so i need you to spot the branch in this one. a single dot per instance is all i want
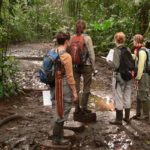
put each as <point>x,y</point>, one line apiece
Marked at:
<point>10,118</point>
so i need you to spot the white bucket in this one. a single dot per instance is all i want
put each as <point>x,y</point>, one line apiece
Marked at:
<point>47,98</point>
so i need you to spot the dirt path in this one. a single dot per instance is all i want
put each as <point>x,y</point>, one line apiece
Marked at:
<point>27,122</point>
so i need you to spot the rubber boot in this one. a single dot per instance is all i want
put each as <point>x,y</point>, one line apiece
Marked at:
<point>127,115</point>
<point>145,109</point>
<point>57,138</point>
<point>119,118</point>
<point>77,108</point>
<point>84,102</point>
<point>138,110</point>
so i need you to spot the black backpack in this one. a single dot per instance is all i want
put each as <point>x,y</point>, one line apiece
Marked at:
<point>127,64</point>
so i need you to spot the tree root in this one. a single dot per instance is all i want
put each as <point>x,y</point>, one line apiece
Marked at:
<point>10,118</point>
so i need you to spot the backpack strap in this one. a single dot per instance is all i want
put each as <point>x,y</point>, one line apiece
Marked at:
<point>62,52</point>
<point>60,64</point>
<point>55,50</point>
<point>52,54</point>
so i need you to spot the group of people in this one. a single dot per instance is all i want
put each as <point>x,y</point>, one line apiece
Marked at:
<point>122,92</point>
<point>141,79</point>
<point>72,78</point>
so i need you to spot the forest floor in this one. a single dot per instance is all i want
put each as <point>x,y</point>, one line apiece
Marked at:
<point>25,122</point>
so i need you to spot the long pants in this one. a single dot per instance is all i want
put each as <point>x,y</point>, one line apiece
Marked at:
<point>122,94</point>
<point>67,101</point>
<point>143,96</point>
<point>86,73</point>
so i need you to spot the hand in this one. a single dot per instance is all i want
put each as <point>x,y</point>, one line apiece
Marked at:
<point>133,74</point>
<point>75,97</point>
<point>136,82</point>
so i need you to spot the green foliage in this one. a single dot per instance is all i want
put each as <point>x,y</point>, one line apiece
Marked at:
<point>105,18</point>
<point>31,20</point>
<point>9,67</point>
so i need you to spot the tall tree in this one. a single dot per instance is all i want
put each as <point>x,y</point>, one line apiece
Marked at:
<point>1,2</point>
<point>144,16</point>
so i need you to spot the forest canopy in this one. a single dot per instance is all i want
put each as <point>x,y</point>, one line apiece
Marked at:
<point>33,20</point>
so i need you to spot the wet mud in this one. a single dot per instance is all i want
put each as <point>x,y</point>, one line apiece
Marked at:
<point>25,123</point>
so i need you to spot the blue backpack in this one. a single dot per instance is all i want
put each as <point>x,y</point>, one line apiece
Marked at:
<point>47,71</point>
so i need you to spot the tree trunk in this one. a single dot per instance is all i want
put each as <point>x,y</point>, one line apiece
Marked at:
<point>144,16</point>
<point>1,2</point>
<point>107,4</point>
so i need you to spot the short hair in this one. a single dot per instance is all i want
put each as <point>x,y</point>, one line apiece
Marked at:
<point>62,37</point>
<point>120,37</point>
<point>138,38</point>
<point>80,27</point>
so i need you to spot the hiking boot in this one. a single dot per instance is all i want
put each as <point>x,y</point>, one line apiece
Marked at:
<point>119,117</point>
<point>145,109</point>
<point>77,108</point>
<point>136,117</point>
<point>86,111</point>
<point>57,137</point>
<point>77,111</point>
<point>142,117</point>
<point>138,110</point>
<point>126,120</point>
<point>116,122</point>
<point>127,114</point>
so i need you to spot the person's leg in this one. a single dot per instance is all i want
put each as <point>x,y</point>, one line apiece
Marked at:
<point>77,76</point>
<point>119,118</point>
<point>58,134</point>
<point>118,102</point>
<point>138,108</point>
<point>127,100</point>
<point>143,96</point>
<point>87,80</point>
<point>58,126</point>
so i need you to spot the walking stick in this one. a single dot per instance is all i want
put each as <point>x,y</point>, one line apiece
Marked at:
<point>59,93</point>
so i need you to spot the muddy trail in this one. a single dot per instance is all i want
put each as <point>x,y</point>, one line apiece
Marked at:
<point>25,122</point>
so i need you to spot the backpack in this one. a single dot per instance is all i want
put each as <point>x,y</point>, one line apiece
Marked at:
<point>147,68</point>
<point>78,50</point>
<point>127,64</point>
<point>47,71</point>
<point>148,61</point>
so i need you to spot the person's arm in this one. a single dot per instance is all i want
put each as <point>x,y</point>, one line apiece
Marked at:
<point>67,61</point>
<point>74,93</point>
<point>141,64</point>
<point>91,53</point>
